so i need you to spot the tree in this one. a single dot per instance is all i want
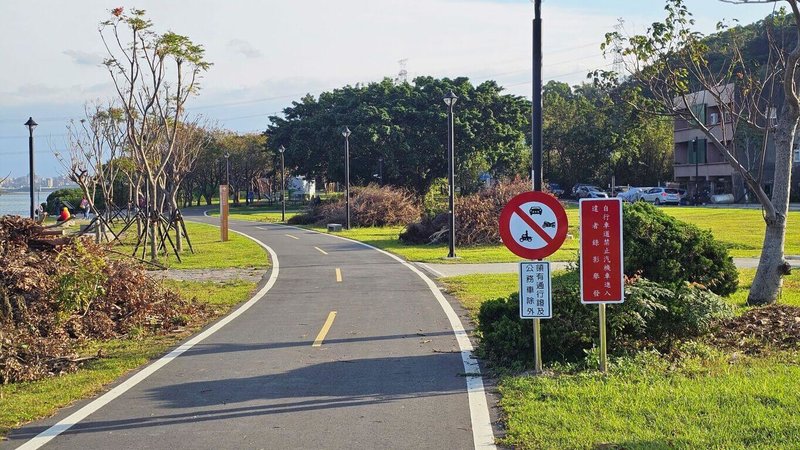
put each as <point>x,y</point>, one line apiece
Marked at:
<point>154,75</point>
<point>669,66</point>
<point>95,143</point>
<point>405,125</point>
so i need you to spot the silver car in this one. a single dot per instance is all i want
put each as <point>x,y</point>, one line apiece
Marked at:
<point>662,196</point>
<point>633,194</point>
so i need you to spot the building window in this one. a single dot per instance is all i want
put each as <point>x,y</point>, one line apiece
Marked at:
<point>713,118</point>
<point>796,155</point>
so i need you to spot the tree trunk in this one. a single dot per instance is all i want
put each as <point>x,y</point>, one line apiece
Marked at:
<point>772,266</point>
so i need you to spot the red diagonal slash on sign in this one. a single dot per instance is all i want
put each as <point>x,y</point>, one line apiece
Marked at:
<point>521,212</point>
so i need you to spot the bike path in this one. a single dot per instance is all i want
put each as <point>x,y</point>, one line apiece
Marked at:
<point>388,374</point>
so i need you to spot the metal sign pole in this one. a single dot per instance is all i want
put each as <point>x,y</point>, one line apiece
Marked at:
<point>603,348</point>
<point>537,346</point>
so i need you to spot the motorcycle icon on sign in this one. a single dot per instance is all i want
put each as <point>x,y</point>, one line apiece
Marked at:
<point>546,224</point>
<point>525,237</point>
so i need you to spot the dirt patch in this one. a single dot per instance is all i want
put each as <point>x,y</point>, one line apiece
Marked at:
<point>216,275</point>
<point>770,327</point>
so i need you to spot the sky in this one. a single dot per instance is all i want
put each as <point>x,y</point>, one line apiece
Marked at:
<point>267,53</point>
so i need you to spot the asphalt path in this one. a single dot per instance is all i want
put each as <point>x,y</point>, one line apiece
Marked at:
<point>350,348</point>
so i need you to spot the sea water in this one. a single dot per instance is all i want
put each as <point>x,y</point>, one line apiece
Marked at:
<point>19,203</point>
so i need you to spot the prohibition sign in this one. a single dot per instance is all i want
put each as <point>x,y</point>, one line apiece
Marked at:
<point>533,225</point>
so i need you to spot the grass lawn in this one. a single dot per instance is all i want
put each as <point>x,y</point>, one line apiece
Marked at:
<point>741,230</point>
<point>710,400</point>
<point>210,251</point>
<point>24,402</point>
<point>751,403</point>
<point>270,214</point>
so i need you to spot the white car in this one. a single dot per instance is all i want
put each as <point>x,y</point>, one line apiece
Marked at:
<point>661,196</point>
<point>587,191</point>
<point>633,194</point>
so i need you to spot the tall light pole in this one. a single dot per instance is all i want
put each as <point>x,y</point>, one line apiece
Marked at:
<point>346,134</point>
<point>450,100</point>
<point>31,125</point>
<point>696,171</point>
<point>380,170</point>
<point>536,99</point>
<point>282,149</point>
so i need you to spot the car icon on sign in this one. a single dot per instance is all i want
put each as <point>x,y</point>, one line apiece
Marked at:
<point>535,210</point>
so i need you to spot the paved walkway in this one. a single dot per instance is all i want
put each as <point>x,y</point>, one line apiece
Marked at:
<point>452,270</point>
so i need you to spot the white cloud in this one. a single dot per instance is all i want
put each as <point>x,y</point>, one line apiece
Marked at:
<point>245,48</point>
<point>85,58</point>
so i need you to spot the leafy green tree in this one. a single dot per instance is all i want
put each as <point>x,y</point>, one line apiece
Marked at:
<point>405,126</point>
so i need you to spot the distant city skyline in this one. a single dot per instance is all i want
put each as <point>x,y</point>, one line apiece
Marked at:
<point>268,54</point>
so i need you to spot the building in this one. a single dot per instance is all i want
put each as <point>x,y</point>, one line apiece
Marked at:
<point>697,165</point>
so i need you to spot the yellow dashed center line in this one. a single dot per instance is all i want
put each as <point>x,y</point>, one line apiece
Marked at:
<point>293,237</point>
<point>338,275</point>
<point>325,328</point>
<point>321,250</point>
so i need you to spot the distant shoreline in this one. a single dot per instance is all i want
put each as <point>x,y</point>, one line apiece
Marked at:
<point>25,189</point>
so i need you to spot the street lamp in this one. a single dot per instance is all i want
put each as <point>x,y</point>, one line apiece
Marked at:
<point>450,100</point>
<point>282,149</point>
<point>31,125</point>
<point>346,134</point>
<point>380,170</point>
<point>696,172</point>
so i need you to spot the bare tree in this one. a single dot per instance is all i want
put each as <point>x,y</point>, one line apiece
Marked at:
<point>154,76</point>
<point>668,70</point>
<point>95,143</point>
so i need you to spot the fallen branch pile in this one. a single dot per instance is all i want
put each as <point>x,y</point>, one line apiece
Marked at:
<point>57,292</point>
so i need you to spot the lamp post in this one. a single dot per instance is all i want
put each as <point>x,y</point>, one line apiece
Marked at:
<point>536,100</point>
<point>31,125</point>
<point>282,149</point>
<point>450,100</point>
<point>696,171</point>
<point>346,134</point>
<point>380,170</point>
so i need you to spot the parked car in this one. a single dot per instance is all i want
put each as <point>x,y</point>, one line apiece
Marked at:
<point>577,187</point>
<point>587,191</point>
<point>555,189</point>
<point>633,194</point>
<point>662,196</point>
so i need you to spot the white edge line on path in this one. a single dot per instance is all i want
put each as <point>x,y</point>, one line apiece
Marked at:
<point>482,434</point>
<point>74,418</point>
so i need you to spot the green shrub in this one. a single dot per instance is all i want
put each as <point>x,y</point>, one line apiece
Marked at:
<point>666,250</point>
<point>653,315</point>
<point>57,198</point>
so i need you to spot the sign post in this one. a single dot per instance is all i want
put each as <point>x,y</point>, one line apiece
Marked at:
<point>223,212</point>
<point>533,225</point>
<point>601,265</point>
